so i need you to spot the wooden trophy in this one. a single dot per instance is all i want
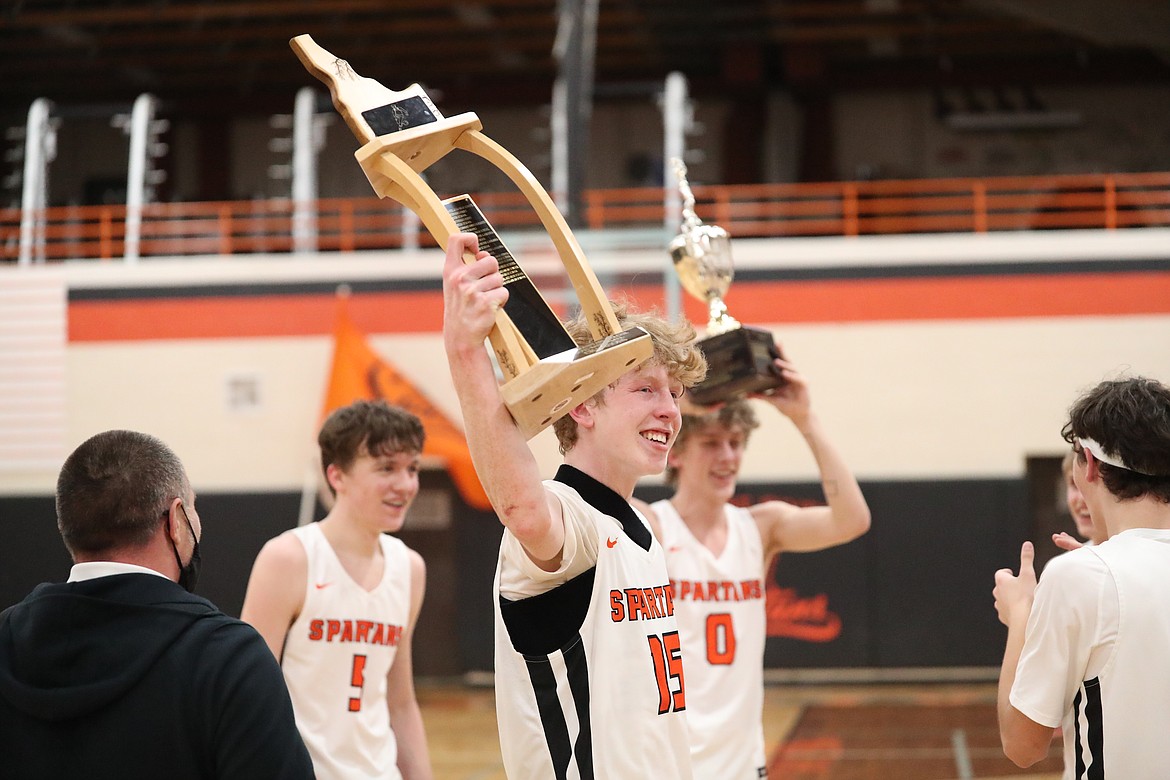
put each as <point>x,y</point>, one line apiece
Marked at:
<point>545,373</point>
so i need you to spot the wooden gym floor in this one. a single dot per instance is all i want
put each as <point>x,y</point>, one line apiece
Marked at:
<point>813,732</point>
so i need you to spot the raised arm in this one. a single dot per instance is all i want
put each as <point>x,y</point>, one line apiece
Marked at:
<point>414,760</point>
<point>276,590</point>
<point>471,295</point>
<point>804,529</point>
<point>1024,740</point>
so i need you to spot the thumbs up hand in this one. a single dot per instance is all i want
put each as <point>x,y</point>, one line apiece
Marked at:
<point>1013,592</point>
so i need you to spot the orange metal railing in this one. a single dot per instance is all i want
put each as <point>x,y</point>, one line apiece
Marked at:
<point>1103,201</point>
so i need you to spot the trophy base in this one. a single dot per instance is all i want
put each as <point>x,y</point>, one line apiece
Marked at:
<point>550,389</point>
<point>739,362</point>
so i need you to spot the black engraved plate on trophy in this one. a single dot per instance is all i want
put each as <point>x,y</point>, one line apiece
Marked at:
<point>400,115</point>
<point>608,342</point>
<point>739,362</point>
<point>536,322</point>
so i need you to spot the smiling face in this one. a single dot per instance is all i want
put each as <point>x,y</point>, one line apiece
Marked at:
<point>709,458</point>
<point>377,489</point>
<point>631,427</point>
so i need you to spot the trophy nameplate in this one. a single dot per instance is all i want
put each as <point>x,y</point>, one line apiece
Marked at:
<point>545,373</point>
<point>739,357</point>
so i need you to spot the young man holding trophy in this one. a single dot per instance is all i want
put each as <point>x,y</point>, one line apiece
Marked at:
<point>707,539</point>
<point>589,678</point>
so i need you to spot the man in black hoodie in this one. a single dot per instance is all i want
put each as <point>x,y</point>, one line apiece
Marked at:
<point>121,672</point>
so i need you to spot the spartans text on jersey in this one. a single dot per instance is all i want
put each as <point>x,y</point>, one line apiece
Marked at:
<point>718,590</point>
<point>368,631</point>
<point>641,603</point>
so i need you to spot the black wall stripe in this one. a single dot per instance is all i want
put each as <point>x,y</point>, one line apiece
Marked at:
<point>742,276</point>
<point>950,270</point>
<point>578,670</point>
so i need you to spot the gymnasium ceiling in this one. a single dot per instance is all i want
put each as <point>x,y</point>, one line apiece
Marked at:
<point>211,55</point>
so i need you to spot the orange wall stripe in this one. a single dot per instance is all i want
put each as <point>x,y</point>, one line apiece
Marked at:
<point>250,316</point>
<point>807,301</point>
<point>936,298</point>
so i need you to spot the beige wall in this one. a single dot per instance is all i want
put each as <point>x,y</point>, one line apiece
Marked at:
<point>915,399</point>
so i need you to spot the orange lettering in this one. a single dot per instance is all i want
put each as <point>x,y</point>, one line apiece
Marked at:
<point>650,599</point>
<point>363,630</point>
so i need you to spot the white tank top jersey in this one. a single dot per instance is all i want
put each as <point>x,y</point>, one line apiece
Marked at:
<point>719,605</point>
<point>336,658</point>
<point>1122,716</point>
<point>589,677</point>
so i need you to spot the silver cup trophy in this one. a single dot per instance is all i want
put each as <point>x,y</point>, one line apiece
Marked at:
<point>739,358</point>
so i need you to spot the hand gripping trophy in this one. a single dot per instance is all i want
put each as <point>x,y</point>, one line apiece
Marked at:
<point>545,373</point>
<point>739,358</point>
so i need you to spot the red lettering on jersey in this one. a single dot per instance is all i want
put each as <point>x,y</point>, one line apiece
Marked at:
<point>650,599</point>
<point>753,589</point>
<point>363,631</point>
<point>669,600</point>
<point>379,637</point>
<point>684,589</point>
<point>347,631</point>
<point>334,628</point>
<point>635,604</point>
<point>315,627</point>
<point>617,606</point>
<point>699,594</point>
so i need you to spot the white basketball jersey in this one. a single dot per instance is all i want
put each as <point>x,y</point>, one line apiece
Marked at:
<point>336,658</point>
<point>589,677</point>
<point>719,605</point>
<point>1122,717</point>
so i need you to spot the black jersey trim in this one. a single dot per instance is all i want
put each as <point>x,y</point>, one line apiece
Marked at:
<point>577,667</point>
<point>606,501</point>
<point>1094,731</point>
<point>552,716</point>
<point>542,624</point>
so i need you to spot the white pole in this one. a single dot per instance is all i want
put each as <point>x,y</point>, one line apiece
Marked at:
<point>304,172</point>
<point>675,123</point>
<point>559,131</point>
<point>40,148</point>
<point>140,118</point>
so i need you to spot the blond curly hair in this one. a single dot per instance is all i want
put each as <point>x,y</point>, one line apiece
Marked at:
<point>674,348</point>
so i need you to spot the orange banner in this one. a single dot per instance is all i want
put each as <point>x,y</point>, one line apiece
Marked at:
<point>358,373</point>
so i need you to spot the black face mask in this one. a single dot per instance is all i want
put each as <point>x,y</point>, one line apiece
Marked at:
<point>189,574</point>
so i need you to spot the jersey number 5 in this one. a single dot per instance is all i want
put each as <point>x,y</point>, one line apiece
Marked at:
<point>358,680</point>
<point>668,669</point>
<point>720,639</point>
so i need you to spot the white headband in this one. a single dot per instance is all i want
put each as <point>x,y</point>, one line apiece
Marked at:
<point>1099,453</point>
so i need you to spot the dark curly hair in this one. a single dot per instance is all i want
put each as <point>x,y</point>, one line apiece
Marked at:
<point>1129,418</point>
